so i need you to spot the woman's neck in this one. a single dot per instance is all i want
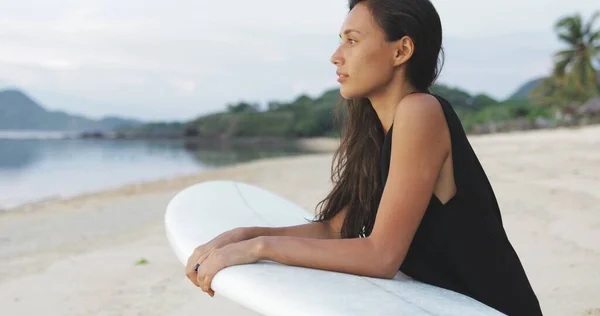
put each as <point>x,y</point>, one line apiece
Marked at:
<point>386,100</point>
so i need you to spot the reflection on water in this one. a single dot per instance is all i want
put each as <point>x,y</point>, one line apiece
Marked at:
<point>223,154</point>
<point>35,169</point>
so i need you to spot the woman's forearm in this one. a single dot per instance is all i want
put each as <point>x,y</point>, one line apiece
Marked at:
<point>318,230</point>
<point>357,256</point>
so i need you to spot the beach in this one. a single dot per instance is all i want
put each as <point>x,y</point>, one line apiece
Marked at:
<point>106,253</point>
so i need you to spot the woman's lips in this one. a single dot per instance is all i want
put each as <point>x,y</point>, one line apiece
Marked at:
<point>341,77</point>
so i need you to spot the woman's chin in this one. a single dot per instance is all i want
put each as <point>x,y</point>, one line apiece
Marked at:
<point>348,93</point>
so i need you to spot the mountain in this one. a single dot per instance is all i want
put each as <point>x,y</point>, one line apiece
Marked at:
<point>524,90</point>
<point>19,112</point>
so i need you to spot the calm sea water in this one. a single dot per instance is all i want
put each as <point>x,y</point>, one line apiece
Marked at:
<point>39,168</point>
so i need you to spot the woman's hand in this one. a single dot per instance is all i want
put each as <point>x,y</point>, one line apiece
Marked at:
<point>244,252</point>
<point>229,237</point>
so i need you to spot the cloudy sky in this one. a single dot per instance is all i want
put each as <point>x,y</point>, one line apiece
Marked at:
<point>171,60</point>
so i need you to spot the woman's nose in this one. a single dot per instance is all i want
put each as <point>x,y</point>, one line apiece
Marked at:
<point>336,58</point>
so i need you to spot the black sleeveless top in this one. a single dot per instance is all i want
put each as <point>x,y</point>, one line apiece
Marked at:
<point>461,245</point>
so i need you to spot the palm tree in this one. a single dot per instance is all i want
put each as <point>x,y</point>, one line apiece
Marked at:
<point>575,78</point>
<point>575,65</point>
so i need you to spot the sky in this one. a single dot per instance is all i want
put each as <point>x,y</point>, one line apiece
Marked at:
<point>175,60</point>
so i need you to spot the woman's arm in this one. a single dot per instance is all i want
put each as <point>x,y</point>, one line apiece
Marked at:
<point>329,229</point>
<point>354,256</point>
<point>421,143</point>
<point>315,230</point>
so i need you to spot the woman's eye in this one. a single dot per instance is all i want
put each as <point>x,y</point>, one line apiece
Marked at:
<point>351,41</point>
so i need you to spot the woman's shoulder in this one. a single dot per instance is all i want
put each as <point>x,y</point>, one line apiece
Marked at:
<point>419,103</point>
<point>425,101</point>
<point>419,97</point>
<point>419,126</point>
<point>418,111</point>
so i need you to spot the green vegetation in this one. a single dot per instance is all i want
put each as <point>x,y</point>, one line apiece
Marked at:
<point>303,117</point>
<point>308,117</point>
<point>153,130</point>
<point>141,262</point>
<point>311,117</point>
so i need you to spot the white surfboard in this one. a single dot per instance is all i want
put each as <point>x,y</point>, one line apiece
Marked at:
<point>199,213</point>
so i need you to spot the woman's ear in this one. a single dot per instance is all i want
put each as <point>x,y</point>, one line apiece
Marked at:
<point>404,49</point>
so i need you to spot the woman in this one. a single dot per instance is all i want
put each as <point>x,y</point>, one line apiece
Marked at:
<point>409,192</point>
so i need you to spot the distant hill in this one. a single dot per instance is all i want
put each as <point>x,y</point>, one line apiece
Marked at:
<point>19,112</point>
<point>524,90</point>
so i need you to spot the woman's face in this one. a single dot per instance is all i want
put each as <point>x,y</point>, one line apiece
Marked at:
<point>364,60</point>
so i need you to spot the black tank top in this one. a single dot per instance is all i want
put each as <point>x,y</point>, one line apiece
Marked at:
<point>462,245</point>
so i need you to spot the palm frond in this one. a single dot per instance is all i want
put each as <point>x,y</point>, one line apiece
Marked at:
<point>592,52</point>
<point>560,68</point>
<point>590,23</point>
<point>577,27</point>
<point>565,22</point>
<point>595,36</point>
<point>567,53</point>
<point>572,25</point>
<point>568,38</point>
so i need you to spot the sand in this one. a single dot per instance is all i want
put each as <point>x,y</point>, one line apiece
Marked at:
<point>78,256</point>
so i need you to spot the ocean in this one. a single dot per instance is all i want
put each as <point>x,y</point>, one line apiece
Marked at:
<point>37,166</point>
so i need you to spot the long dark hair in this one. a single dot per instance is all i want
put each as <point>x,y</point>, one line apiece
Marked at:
<point>355,169</point>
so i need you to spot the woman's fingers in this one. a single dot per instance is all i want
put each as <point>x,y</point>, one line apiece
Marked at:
<point>191,269</point>
<point>199,277</point>
<point>192,274</point>
<point>207,285</point>
<point>207,270</point>
<point>193,259</point>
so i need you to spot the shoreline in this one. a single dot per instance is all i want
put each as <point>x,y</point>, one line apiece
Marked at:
<point>258,140</point>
